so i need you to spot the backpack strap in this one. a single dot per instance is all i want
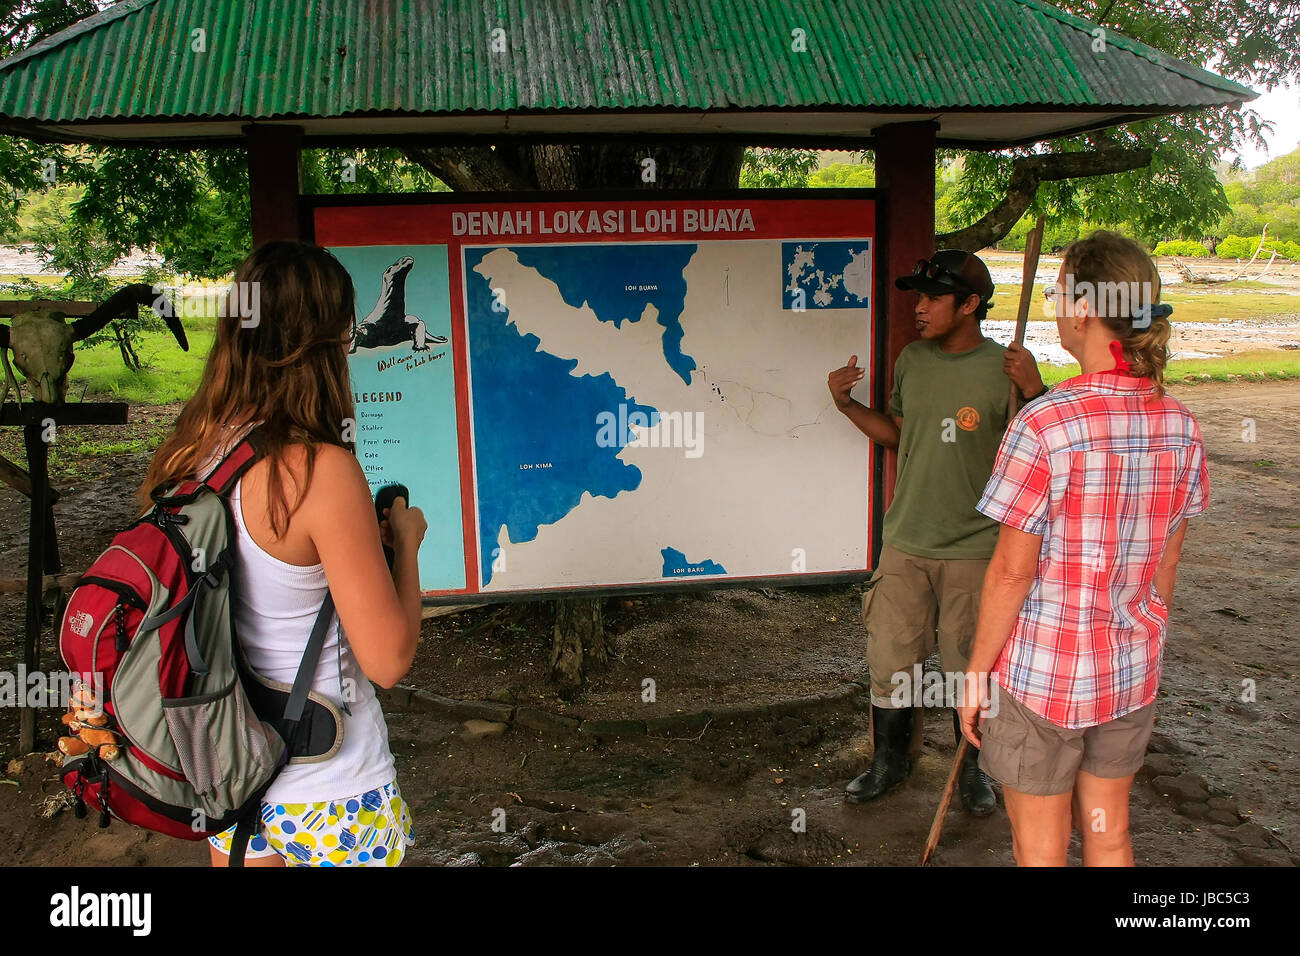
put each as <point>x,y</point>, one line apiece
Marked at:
<point>293,711</point>
<point>247,825</point>
<point>243,833</point>
<point>222,478</point>
<point>239,459</point>
<point>297,703</point>
<point>209,580</point>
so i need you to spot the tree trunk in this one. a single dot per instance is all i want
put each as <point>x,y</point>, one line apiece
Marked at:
<point>579,642</point>
<point>618,165</point>
<point>1026,173</point>
<point>129,358</point>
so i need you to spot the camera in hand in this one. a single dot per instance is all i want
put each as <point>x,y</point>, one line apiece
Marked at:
<point>384,498</point>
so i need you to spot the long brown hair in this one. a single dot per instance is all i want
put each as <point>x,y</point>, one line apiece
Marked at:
<point>281,362</point>
<point>1108,257</point>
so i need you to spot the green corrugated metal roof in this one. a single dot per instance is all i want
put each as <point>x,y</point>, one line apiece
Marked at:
<point>276,59</point>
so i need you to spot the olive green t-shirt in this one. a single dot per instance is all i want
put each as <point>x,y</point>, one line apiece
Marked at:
<point>954,411</point>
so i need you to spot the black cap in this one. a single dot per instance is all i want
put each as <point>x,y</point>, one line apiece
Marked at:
<point>950,270</point>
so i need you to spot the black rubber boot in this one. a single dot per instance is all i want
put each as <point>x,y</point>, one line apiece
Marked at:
<point>892,761</point>
<point>976,795</point>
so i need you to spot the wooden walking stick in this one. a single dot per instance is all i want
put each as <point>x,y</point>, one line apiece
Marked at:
<point>1033,247</point>
<point>936,828</point>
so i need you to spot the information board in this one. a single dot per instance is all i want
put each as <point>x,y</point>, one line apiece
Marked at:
<point>596,394</point>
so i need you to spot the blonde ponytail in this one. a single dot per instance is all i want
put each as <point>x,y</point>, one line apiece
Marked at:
<point>1123,285</point>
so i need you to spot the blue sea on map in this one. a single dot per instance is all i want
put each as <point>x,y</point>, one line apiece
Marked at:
<point>535,424</point>
<point>412,441</point>
<point>676,565</point>
<point>599,275</point>
<point>833,274</point>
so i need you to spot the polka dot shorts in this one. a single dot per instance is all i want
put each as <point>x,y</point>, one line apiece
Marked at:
<point>370,829</point>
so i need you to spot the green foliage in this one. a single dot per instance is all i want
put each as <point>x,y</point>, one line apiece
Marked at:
<point>1262,366</point>
<point>21,168</point>
<point>83,255</point>
<point>777,168</point>
<point>190,206</point>
<point>212,238</point>
<point>24,22</point>
<point>1267,196</point>
<point>22,163</point>
<point>1057,234</point>
<point>862,175</point>
<point>166,374</point>
<point>947,174</point>
<point>1243,247</point>
<point>38,206</point>
<point>1178,195</point>
<point>1181,247</point>
<point>384,170</point>
<point>844,176</point>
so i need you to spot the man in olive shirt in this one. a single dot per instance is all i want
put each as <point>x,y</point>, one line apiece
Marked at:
<point>946,417</point>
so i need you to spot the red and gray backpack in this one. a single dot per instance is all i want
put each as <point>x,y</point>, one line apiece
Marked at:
<point>149,637</point>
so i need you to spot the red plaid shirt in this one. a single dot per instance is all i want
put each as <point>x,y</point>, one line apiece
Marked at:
<point>1105,472</point>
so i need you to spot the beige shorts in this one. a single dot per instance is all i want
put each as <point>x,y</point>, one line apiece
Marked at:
<point>913,604</point>
<point>1030,754</point>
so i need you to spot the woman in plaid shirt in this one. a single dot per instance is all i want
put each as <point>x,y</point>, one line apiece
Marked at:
<point>1092,486</point>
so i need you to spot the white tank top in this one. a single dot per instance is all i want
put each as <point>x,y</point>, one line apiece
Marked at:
<point>275,607</point>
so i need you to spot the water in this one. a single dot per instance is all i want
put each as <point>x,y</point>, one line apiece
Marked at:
<point>23,261</point>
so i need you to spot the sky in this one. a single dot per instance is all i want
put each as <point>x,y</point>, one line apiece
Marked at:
<point>1282,108</point>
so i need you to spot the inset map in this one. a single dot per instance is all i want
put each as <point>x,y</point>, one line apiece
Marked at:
<point>826,274</point>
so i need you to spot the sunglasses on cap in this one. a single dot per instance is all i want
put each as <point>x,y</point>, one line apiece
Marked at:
<point>929,269</point>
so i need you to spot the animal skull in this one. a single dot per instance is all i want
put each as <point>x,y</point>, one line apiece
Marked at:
<point>42,342</point>
<point>42,347</point>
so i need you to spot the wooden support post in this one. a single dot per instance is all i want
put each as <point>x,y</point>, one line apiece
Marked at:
<point>37,459</point>
<point>43,563</point>
<point>905,158</point>
<point>274,181</point>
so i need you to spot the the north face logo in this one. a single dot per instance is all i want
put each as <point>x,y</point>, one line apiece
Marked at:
<point>80,623</point>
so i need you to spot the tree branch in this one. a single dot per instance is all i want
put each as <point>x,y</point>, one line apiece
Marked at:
<point>1026,173</point>
<point>469,168</point>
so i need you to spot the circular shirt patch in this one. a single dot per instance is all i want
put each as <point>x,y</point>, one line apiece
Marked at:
<point>968,419</point>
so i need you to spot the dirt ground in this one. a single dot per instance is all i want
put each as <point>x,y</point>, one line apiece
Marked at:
<point>729,796</point>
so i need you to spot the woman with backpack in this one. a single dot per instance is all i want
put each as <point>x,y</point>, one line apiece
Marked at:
<point>306,529</point>
<point>1093,486</point>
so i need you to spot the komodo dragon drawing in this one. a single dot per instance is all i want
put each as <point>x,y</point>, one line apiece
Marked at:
<point>388,322</point>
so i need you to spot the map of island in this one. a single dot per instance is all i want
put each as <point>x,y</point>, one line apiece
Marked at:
<point>727,439</point>
<point>830,274</point>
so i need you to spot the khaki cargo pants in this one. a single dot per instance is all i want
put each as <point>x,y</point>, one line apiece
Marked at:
<point>912,598</point>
